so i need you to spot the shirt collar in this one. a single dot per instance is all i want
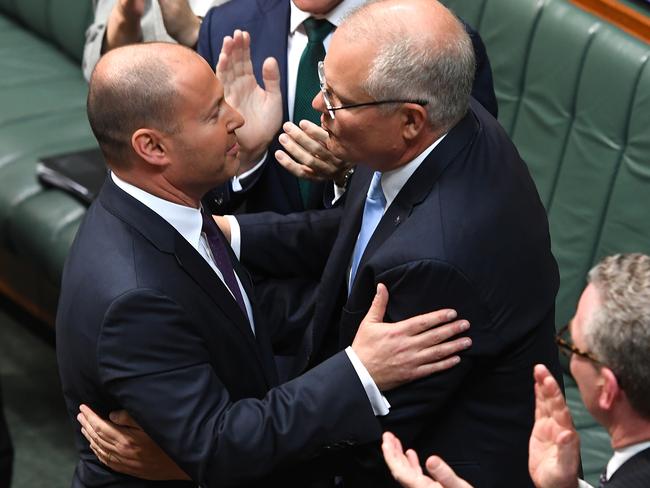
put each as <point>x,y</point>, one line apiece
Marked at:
<point>335,16</point>
<point>393,181</point>
<point>187,221</point>
<point>621,456</point>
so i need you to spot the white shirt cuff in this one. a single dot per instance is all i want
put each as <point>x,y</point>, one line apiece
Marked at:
<point>380,405</point>
<point>584,484</point>
<point>235,235</point>
<point>236,180</point>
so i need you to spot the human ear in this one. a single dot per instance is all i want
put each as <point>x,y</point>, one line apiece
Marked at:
<point>609,388</point>
<point>151,146</point>
<point>414,120</point>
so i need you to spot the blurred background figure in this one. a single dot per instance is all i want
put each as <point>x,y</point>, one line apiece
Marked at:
<point>121,22</point>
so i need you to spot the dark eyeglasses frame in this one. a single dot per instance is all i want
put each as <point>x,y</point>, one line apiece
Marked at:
<point>331,109</point>
<point>572,349</point>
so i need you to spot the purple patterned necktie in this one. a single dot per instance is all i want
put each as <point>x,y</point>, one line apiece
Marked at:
<point>222,258</point>
<point>602,480</point>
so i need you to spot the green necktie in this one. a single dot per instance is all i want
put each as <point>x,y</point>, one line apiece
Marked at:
<point>307,84</point>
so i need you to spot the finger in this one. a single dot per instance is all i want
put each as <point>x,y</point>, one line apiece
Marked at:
<point>96,426</point>
<point>122,417</point>
<point>420,323</point>
<point>301,137</point>
<point>306,158</point>
<point>377,308</point>
<point>438,352</point>
<point>295,168</point>
<point>441,472</point>
<point>414,462</point>
<point>439,334</point>
<point>271,76</point>
<point>432,367</point>
<point>314,131</point>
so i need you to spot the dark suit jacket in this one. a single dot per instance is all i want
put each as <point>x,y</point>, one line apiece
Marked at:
<point>466,231</point>
<point>634,473</point>
<point>144,324</point>
<point>275,189</point>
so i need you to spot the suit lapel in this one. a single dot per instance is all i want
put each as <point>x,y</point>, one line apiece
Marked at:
<point>262,338</point>
<point>165,238</point>
<point>334,278</point>
<point>420,184</point>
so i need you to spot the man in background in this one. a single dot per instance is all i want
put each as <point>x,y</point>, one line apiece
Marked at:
<point>294,175</point>
<point>607,342</point>
<point>120,22</point>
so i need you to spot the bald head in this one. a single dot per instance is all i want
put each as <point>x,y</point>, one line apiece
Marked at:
<point>133,87</point>
<point>421,52</point>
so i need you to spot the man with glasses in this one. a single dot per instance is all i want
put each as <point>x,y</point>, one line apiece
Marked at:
<point>607,344</point>
<point>286,177</point>
<point>443,209</point>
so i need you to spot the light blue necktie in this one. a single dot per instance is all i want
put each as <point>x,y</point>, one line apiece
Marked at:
<point>372,212</point>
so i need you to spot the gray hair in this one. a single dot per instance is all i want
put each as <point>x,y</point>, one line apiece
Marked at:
<point>438,70</point>
<point>126,96</point>
<point>619,331</point>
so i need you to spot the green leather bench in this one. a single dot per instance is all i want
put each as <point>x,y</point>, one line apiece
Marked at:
<point>42,112</point>
<point>574,95</point>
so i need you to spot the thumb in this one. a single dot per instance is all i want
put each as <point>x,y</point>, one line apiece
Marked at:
<point>377,309</point>
<point>122,417</point>
<point>271,76</point>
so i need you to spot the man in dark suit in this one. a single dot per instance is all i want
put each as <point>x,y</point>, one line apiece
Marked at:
<point>607,343</point>
<point>279,29</point>
<point>443,210</point>
<point>157,317</point>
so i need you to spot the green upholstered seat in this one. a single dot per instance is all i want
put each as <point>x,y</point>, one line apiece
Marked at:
<point>574,94</point>
<point>42,100</point>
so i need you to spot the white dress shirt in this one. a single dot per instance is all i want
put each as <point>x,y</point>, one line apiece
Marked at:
<point>188,222</point>
<point>620,457</point>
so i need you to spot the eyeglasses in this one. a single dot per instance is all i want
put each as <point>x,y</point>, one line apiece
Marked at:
<point>567,348</point>
<point>331,108</point>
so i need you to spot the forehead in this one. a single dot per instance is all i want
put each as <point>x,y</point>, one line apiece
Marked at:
<point>347,63</point>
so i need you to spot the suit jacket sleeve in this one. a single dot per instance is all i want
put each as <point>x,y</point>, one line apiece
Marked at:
<point>168,384</point>
<point>438,286</point>
<point>288,246</point>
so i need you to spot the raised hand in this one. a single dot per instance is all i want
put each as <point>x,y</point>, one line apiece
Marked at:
<point>180,22</point>
<point>261,107</point>
<point>404,351</point>
<point>123,26</point>
<point>123,446</point>
<point>307,155</point>
<point>405,467</point>
<point>554,448</point>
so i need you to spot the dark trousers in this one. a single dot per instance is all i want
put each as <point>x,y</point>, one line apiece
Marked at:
<point>6,450</point>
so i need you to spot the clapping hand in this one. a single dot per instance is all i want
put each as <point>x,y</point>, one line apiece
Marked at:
<point>260,107</point>
<point>554,448</point>
<point>406,469</point>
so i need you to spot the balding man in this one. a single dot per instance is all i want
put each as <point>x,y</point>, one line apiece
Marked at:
<point>443,210</point>
<point>157,317</point>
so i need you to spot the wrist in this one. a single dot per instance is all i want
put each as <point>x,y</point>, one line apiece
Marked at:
<point>189,35</point>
